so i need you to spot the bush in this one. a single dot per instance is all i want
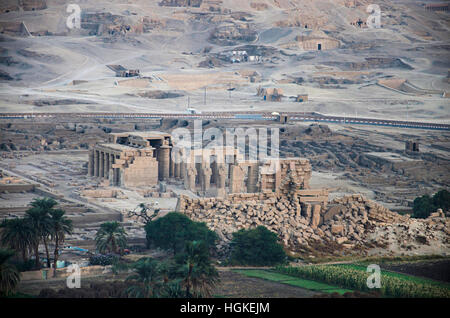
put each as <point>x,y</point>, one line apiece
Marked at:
<point>174,230</point>
<point>23,266</point>
<point>256,247</point>
<point>103,259</point>
<point>425,204</point>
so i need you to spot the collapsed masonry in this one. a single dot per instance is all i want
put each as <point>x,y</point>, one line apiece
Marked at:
<point>303,218</point>
<point>280,200</point>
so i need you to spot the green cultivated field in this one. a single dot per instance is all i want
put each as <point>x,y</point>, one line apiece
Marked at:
<point>415,279</point>
<point>354,276</point>
<point>291,280</point>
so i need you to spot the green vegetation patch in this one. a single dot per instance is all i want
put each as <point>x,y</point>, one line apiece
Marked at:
<point>354,278</point>
<point>294,281</point>
<point>419,280</point>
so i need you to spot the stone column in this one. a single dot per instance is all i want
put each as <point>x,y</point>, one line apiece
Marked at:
<point>176,164</point>
<point>102,164</point>
<point>214,172</point>
<point>119,178</point>
<point>221,178</point>
<point>163,162</point>
<point>252,178</point>
<point>111,169</point>
<point>96,163</point>
<point>315,220</point>
<point>91,163</point>
<point>189,181</point>
<point>171,165</point>
<point>107,165</point>
<point>183,170</point>
<point>176,170</point>
<point>237,179</point>
<point>205,177</point>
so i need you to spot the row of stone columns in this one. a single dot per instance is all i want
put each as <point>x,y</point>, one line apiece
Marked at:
<point>204,174</point>
<point>100,164</point>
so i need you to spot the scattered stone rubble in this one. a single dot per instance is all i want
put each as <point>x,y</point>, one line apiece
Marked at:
<point>350,221</point>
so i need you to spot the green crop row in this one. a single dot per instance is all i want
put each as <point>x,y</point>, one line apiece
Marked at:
<point>356,279</point>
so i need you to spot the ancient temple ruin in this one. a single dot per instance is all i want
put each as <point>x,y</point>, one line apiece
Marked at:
<point>132,158</point>
<point>135,159</point>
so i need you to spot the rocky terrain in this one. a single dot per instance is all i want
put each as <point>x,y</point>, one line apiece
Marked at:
<point>351,222</point>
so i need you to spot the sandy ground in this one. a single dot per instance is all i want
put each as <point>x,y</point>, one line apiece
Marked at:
<point>169,56</point>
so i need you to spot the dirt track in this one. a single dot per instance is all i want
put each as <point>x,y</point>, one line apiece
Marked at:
<point>239,286</point>
<point>437,270</point>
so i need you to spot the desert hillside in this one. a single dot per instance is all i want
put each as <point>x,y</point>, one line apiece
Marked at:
<point>322,48</point>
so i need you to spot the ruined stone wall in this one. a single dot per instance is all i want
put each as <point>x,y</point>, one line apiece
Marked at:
<point>278,212</point>
<point>15,188</point>
<point>143,171</point>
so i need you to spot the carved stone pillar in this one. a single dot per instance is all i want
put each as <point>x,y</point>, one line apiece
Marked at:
<point>205,177</point>
<point>96,163</point>
<point>189,181</point>
<point>164,162</point>
<point>252,178</point>
<point>91,163</point>
<point>221,179</point>
<point>183,170</point>
<point>237,179</point>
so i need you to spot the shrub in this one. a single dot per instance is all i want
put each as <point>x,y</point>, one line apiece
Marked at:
<point>256,247</point>
<point>174,230</point>
<point>22,266</point>
<point>103,259</point>
<point>425,204</point>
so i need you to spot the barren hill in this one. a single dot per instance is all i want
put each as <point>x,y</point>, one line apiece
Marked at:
<point>197,42</point>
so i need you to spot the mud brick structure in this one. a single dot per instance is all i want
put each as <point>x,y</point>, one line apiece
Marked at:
<point>301,98</point>
<point>317,41</point>
<point>270,94</point>
<point>132,159</point>
<point>411,146</point>
<point>122,71</point>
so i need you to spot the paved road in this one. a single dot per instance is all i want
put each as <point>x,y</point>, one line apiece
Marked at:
<point>291,116</point>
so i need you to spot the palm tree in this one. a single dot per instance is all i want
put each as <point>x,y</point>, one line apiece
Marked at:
<point>46,205</point>
<point>111,237</point>
<point>200,276</point>
<point>39,221</point>
<point>17,234</point>
<point>60,226</point>
<point>9,275</point>
<point>148,278</point>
